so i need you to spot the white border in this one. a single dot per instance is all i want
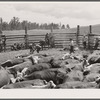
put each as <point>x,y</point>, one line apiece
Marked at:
<point>49,93</point>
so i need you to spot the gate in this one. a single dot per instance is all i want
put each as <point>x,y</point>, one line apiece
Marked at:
<point>62,39</point>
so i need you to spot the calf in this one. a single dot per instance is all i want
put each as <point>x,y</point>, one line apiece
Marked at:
<point>10,63</point>
<point>19,67</point>
<point>91,77</point>
<point>37,67</point>
<point>93,59</point>
<point>77,84</point>
<point>49,85</point>
<point>56,63</point>
<point>4,77</point>
<point>74,75</point>
<point>55,75</point>
<point>45,60</point>
<point>24,84</point>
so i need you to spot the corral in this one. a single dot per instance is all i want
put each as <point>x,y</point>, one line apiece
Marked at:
<point>52,67</point>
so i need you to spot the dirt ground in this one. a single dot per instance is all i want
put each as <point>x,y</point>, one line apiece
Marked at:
<point>10,55</point>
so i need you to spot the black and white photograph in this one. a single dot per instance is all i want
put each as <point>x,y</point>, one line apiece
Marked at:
<point>49,45</point>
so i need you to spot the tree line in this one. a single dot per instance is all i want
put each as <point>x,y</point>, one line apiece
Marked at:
<point>16,24</point>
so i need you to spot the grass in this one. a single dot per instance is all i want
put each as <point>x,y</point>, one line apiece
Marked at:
<point>22,32</point>
<point>36,31</point>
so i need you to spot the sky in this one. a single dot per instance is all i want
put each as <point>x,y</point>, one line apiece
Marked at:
<point>72,13</point>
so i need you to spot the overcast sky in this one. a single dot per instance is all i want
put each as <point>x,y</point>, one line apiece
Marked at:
<point>72,13</point>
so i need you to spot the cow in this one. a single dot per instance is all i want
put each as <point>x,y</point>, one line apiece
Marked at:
<point>19,67</point>
<point>36,82</point>
<point>12,62</point>
<point>49,85</point>
<point>37,67</point>
<point>93,59</point>
<point>55,75</point>
<point>45,60</point>
<point>55,63</point>
<point>77,85</point>
<point>4,77</point>
<point>75,75</point>
<point>91,77</point>
<point>93,68</point>
<point>39,59</point>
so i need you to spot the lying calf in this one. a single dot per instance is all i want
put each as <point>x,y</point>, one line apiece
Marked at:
<point>55,75</point>
<point>37,67</point>
<point>24,84</point>
<point>12,62</point>
<point>19,67</point>
<point>4,77</point>
<point>77,84</point>
<point>93,68</point>
<point>91,77</point>
<point>74,75</point>
<point>49,85</point>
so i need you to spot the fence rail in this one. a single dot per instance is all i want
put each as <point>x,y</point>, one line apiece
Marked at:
<point>61,39</point>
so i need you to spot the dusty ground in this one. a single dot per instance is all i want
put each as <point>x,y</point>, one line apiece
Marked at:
<point>10,55</point>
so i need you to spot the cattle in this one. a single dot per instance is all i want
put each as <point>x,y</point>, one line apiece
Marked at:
<point>93,59</point>
<point>75,75</point>
<point>77,85</point>
<point>49,85</point>
<point>93,68</point>
<point>56,63</point>
<point>45,60</point>
<point>12,62</point>
<point>39,59</point>
<point>4,77</point>
<point>55,75</point>
<point>80,66</point>
<point>19,67</point>
<point>37,67</point>
<point>91,77</point>
<point>17,46</point>
<point>36,82</point>
<point>22,55</point>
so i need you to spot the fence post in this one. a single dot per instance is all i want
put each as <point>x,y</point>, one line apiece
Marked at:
<point>26,38</point>
<point>90,29</point>
<point>89,34</point>
<point>77,35</point>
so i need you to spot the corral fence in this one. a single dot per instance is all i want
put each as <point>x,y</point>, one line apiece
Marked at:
<point>90,39</point>
<point>61,40</point>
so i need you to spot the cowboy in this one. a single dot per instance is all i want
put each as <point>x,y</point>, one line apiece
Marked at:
<point>71,46</point>
<point>96,44</point>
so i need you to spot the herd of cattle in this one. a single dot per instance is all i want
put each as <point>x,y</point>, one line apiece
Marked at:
<point>44,71</point>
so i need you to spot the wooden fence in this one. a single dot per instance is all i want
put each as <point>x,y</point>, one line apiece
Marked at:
<point>61,39</point>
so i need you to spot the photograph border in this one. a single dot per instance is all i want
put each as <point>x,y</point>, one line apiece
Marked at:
<point>49,96</point>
